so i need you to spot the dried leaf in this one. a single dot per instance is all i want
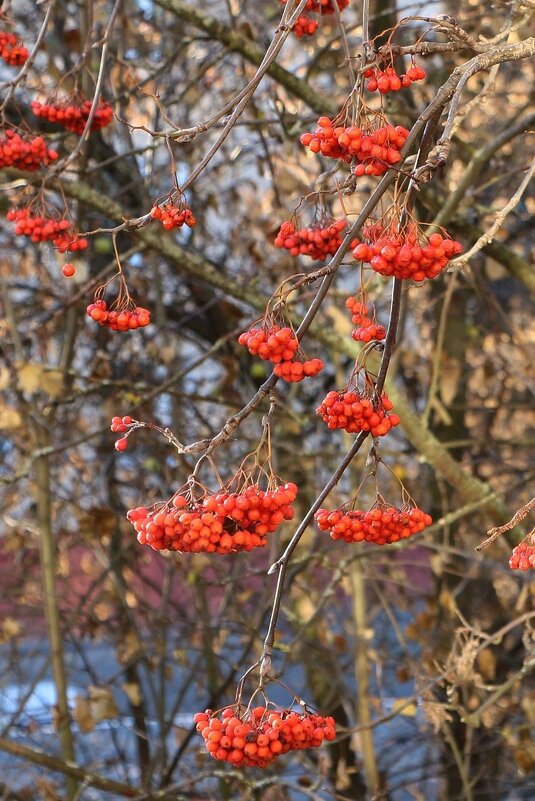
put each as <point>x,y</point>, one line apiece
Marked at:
<point>103,706</point>
<point>33,378</point>
<point>436,714</point>
<point>132,690</point>
<point>486,664</point>
<point>10,629</point>
<point>405,706</point>
<point>450,376</point>
<point>82,714</point>
<point>9,418</point>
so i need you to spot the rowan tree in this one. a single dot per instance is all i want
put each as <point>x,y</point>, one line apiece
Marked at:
<point>267,399</point>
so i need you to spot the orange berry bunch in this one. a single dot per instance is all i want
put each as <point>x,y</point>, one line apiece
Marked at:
<point>274,344</point>
<point>11,49</point>
<point>256,737</point>
<point>389,81</point>
<point>73,115</point>
<point>378,525</point>
<point>318,242</point>
<point>523,557</point>
<point>407,254</point>
<point>46,229</point>
<point>220,523</point>
<point>24,153</point>
<point>375,150</point>
<point>172,216</point>
<point>118,319</point>
<point>367,329</point>
<point>279,346</point>
<point>295,371</point>
<point>354,411</point>
<point>305,25</point>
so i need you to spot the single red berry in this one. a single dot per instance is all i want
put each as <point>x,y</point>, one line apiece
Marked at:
<point>68,270</point>
<point>121,444</point>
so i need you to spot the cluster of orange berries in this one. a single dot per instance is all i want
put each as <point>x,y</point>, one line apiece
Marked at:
<point>374,150</point>
<point>279,346</point>
<point>318,242</point>
<point>255,738</point>
<point>407,254</point>
<point>11,49</point>
<point>523,557</point>
<point>367,329</point>
<point>24,153</point>
<point>378,525</point>
<point>73,115</point>
<point>354,412</point>
<point>45,229</point>
<point>172,216</point>
<point>226,522</point>
<point>305,25</point>
<point>119,319</point>
<point>389,81</point>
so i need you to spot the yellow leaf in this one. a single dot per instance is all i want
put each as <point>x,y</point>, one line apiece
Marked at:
<point>102,702</point>
<point>405,706</point>
<point>131,689</point>
<point>10,629</point>
<point>33,378</point>
<point>82,714</point>
<point>5,378</point>
<point>9,418</point>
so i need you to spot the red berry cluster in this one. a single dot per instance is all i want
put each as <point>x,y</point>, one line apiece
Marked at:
<point>173,216</point>
<point>24,153</point>
<point>120,425</point>
<point>378,525</point>
<point>523,557</point>
<point>354,412</point>
<point>279,346</point>
<point>255,738</point>
<point>274,344</point>
<point>226,522</point>
<point>11,49</point>
<point>367,329</point>
<point>305,26</point>
<point>407,254</point>
<point>389,81</point>
<point>73,115</point>
<point>295,371</point>
<point>45,229</point>
<point>318,242</point>
<point>375,150</point>
<point>119,319</point>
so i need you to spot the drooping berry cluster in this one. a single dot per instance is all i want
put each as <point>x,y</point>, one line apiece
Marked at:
<point>12,50</point>
<point>73,114</point>
<point>41,228</point>
<point>123,320</point>
<point>254,738</point>
<point>388,80</point>
<point>26,153</point>
<point>374,149</point>
<point>173,216</point>
<point>120,425</point>
<point>318,242</point>
<point>305,25</point>
<point>406,254</point>
<point>380,525</point>
<point>354,411</point>
<point>367,328</point>
<point>279,346</point>
<point>523,557</point>
<point>225,522</point>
